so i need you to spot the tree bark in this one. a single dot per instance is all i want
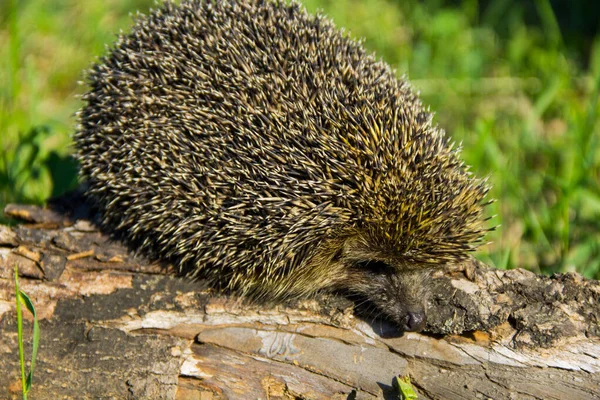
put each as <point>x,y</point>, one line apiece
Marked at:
<point>114,325</point>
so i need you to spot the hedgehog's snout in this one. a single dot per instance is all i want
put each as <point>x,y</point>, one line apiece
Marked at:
<point>406,306</point>
<point>400,294</point>
<point>414,321</point>
<point>409,291</point>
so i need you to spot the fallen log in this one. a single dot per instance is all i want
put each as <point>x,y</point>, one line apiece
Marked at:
<point>115,325</point>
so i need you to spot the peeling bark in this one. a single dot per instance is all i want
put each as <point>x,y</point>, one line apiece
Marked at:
<point>114,325</point>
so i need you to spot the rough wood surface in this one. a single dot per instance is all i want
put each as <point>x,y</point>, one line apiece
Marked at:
<point>117,326</point>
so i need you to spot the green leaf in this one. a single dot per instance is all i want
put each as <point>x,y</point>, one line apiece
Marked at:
<point>23,299</point>
<point>404,387</point>
<point>36,335</point>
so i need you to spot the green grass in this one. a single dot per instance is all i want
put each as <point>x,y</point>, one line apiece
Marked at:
<point>519,93</point>
<point>21,299</point>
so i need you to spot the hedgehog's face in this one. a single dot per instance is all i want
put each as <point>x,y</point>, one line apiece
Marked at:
<point>400,295</point>
<point>397,290</point>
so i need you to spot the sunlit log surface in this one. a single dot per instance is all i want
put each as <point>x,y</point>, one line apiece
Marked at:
<point>114,325</point>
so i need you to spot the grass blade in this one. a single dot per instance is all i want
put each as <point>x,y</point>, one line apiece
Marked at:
<point>23,299</point>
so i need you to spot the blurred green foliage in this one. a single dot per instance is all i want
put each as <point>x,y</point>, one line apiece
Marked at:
<point>516,82</point>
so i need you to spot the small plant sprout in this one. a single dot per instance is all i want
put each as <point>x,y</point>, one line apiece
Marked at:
<point>23,299</point>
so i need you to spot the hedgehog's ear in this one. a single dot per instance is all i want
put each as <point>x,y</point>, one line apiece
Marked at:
<point>337,256</point>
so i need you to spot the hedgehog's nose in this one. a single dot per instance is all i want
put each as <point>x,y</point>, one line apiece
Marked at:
<point>414,321</point>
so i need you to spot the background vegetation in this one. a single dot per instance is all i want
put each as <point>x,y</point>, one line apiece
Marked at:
<point>516,82</point>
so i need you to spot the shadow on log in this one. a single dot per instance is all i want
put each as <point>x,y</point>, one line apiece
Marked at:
<point>114,325</point>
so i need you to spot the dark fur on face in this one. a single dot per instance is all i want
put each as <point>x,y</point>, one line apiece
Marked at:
<point>401,296</point>
<point>386,282</point>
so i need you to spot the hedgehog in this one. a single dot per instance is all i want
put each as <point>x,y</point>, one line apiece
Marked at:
<point>265,151</point>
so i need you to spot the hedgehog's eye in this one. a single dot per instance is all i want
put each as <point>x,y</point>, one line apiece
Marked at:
<point>377,267</point>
